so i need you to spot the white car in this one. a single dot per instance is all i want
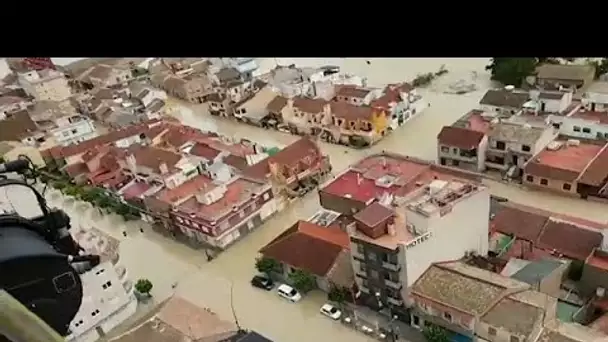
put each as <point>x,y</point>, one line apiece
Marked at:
<point>289,293</point>
<point>331,311</point>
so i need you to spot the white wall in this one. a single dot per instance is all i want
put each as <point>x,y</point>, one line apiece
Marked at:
<point>74,133</point>
<point>464,229</point>
<point>568,125</point>
<point>109,301</point>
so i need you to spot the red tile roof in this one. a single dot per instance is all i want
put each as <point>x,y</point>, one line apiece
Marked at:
<point>135,190</point>
<point>600,117</point>
<point>289,156</point>
<point>597,170</point>
<point>153,158</point>
<point>523,224</point>
<point>565,163</point>
<point>459,137</point>
<point>351,112</point>
<point>277,104</point>
<point>204,151</point>
<point>76,169</point>
<point>308,246</point>
<point>237,192</point>
<point>572,237</point>
<point>184,190</point>
<point>351,91</point>
<point>568,239</point>
<point>307,105</point>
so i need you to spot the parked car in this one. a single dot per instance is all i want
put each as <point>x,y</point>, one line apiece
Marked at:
<point>262,282</point>
<point>289,293</point>
<point>331,311</point>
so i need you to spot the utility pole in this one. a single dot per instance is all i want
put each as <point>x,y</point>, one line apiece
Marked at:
<point>236,319</point>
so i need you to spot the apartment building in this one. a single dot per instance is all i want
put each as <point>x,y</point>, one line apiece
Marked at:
<point>108,293</point>
<point>405,216</point>
<point>48,84</point>
<point>105,76</point>
<point>73,129</point>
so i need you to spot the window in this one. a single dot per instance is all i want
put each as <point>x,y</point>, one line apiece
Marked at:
<point>372,256</point>
<point>74,131</point>
<point>445,149</point>
<point>543,181</point>
<point>107,285</point>
<point>525,148</point>
<point>529,178</point>
<point>567,186</point>
<point>416,320</point>
<point>586,130</point>
<point>374,274</point>
<point>556,125</point>
<point>455,150</point>
<point>100,271</point>
<point>491,331</point>
<point>360,249</point>
<point>500,145</point>
<point>362,268</point>
<point>606,135</point>
<point>514,338</point>
<point>95,313</point>
<point>447,316</point>
<point>576,129</point>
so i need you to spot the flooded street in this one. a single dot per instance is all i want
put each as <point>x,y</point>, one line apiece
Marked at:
<point>164,261</point>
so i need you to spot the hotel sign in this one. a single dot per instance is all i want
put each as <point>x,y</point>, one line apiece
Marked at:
<point>419,240</point>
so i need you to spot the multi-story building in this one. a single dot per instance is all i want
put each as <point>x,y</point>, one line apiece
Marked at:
<point>463,147</point>
<point>511,145</point>
<point>48,84</point>
<point>583,123</point>
<point>192,88</point>
<point>108,294</point>
<point>402,101</point>
<point>405,216</point>
<point>73,129</point>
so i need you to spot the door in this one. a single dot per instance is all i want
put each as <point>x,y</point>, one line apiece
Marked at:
<point>515,160</point>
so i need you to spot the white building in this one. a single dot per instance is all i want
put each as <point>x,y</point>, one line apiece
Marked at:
<point>46,84</point>
<point>582,124</point>
<point>108,294</point>
<point>438,221</point>
<point>73,130</point>
<point>596,97</point>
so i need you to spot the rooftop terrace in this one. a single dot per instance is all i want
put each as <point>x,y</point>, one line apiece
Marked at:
<point>598,117</point>
<point>568,157</point>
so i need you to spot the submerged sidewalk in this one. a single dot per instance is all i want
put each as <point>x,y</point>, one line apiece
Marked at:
<point>363,316</point>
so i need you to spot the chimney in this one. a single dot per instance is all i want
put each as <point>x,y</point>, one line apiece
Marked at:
<point>163,168</point>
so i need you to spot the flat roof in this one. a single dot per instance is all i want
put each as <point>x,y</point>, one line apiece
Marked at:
<point>599,117</point>
<point>573,158</point>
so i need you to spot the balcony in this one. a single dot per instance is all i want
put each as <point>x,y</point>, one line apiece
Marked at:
<point>391,266</point>
<point>393,284</point>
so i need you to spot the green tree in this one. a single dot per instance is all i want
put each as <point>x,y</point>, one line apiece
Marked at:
<point>59,185</point>
<point>601,66</point>
<point>511,71</point>
<point>302,280</point>
<point>548,60</point>
<point>267,266</point>
<point>434,333</point>
<point>338,294</point>
<point>144,286</point>
<point>91,194</point>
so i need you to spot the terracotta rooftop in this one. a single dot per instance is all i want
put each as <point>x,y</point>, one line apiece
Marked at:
<point>390,96</point>
<point>351,91</point>
<point>462,138</point>
<point>351,112</point>
<point>184,190</point>
<point>465,288</point>
<point>565,163</point>
<point>204,151</point>
<point>153,158</point>
<point>516,317</point>
<point>398,174</point>
<point>308,246</point>
<point>307,105</point>
<point>475,121</point>
<point>16,126</point>
<point>277,104</point>
<point>599,117</point>
<point>572,237</point>
<point>134,190</point>
<point>597,170</point>
<point>289,156</point>
<point>237,192</point>
<point>374,214</point>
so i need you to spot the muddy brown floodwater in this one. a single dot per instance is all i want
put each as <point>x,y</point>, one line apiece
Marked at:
<point>164,261</point>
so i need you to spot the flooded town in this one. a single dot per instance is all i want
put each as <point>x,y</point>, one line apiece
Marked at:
<point>294,199</point>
